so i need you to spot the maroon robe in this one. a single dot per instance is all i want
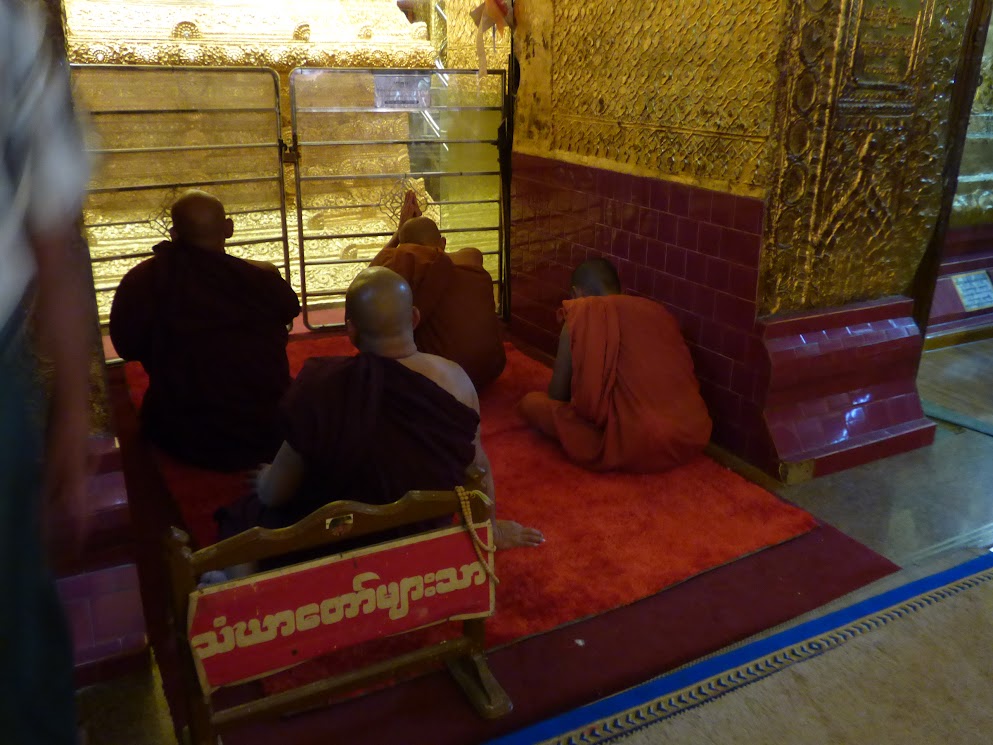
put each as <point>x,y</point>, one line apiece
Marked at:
<point>211,331</point>
<point>368,429</point>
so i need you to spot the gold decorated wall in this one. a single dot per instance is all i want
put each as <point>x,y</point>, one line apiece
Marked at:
<point>861,139</point>
<point>834,112</point>
<point>677,89</point>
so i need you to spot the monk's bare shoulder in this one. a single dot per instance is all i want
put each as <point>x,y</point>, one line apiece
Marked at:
<point>446,374</point>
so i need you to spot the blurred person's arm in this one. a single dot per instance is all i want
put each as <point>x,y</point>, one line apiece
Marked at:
<point>47,140</point>
<point>66,333</point>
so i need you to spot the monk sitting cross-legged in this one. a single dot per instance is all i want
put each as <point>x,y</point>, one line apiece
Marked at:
<point>623,394</point>
<point>372,427</point>
<point>454,295</point>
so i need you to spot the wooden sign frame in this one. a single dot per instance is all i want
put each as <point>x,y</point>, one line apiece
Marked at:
<point>464,656</point>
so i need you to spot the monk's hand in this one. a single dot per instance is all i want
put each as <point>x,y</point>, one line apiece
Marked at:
<point>255,478</point>
<point>410,208</point>
<point>509,534</point>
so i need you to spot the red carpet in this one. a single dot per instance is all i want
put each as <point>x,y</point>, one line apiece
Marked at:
<point>546,673</point>
<point>645,532</point>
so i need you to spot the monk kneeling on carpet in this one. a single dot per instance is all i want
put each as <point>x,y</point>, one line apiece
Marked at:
<point>623,395</point>
<point>453,293</point>
<point>372,427</point>
<point>211,332</point>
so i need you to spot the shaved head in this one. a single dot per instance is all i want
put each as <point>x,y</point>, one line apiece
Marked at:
<point>596,277</point>
<point>379,306</point>
<point>423,231</point>
<point>198,219</point>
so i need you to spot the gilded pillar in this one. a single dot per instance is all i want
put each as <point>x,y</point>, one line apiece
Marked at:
<point>861,137</point>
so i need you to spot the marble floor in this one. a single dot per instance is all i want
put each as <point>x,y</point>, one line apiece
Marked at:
<point>914,505</point>
<point>924,510</point>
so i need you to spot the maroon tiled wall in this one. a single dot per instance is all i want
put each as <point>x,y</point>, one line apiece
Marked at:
<point>694,250</point>
<point>697,252</point>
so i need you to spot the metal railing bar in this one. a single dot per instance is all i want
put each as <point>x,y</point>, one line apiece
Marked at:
<point>189,185</point>
<point>307,72</point>
<point>398,110</point>
<point>347,262</point>
<point>430,141</point>
<point>342,292</point>
<point>395,176</point>
<point>149,112</point>
<point>235,213</point>
<point>278,238</point>
<point>181,149</point>
<point>334,236</point>
<point>121,257</point>
<point>376,204</point>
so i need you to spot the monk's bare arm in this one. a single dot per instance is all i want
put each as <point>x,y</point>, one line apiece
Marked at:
<point>481,460</point>
<point>560,387</point>
<point>278,482</point>
<point>506,533</point>
<point>451,377</point>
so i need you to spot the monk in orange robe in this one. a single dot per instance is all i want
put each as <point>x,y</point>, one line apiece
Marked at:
<point>623,395</point>
<point>454,295</point>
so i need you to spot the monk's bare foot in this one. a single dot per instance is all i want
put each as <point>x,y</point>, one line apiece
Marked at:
<point>214,577</point>
<point>508,534</point>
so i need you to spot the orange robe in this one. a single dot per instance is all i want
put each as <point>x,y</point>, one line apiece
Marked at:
<point>636,403</point>
<point>458,313</point>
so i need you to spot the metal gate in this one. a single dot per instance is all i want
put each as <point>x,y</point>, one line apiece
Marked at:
<point>161,131</point>
<point>362,138</point>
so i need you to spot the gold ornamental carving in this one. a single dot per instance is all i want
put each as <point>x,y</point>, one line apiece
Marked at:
<point>677,89</point>
<point>861,120</point>
<point>252,33</point>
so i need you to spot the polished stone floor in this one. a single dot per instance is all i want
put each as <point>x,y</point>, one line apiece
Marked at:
<point>914,505</point>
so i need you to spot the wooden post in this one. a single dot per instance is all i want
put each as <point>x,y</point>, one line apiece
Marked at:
<point>183,581</point>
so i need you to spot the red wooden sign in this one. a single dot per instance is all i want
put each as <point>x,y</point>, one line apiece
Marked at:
<point>267,622</point>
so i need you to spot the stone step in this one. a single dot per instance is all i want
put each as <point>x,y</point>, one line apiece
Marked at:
<point>107,622</point>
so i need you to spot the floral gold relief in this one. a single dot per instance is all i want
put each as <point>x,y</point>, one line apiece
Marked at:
<point>861,137</point>
<point>679,89</point>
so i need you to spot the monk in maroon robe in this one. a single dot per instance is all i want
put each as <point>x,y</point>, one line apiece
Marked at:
<point>211,331</point>
<point>371,428</point>
<point>623,395</point>
<point>454,294</point>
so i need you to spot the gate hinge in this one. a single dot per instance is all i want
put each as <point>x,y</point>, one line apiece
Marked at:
<point>290,153</point>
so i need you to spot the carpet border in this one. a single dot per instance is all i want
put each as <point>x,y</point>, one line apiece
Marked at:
<point>664,697</point>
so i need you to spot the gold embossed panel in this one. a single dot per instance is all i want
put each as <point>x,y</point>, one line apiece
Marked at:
<point>862,126</point>
<point>159,132</point>
<point>681,89</point>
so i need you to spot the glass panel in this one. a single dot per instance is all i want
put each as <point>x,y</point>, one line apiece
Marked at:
<point>973,203</point>
<point>367,136</point>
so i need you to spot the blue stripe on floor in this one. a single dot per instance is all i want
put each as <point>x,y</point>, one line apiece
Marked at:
<point>668,684</point>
